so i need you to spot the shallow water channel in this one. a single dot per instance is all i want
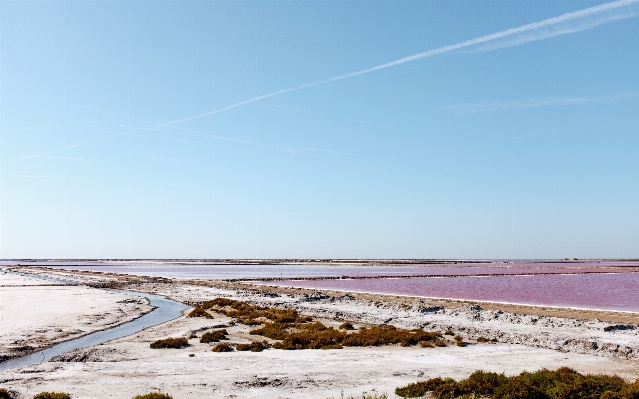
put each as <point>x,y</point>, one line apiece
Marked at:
<point>165,310</point>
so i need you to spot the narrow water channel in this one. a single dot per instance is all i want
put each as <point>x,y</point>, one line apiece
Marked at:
<point>165,310</point>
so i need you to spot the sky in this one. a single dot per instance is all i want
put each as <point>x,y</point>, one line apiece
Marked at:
<point>324,129</point>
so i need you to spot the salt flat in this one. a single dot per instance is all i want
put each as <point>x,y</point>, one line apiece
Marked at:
<point>127,366</point>
<point>538,338</point>
<point>35,315</point>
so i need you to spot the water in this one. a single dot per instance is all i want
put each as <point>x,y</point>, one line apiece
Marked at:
<point>248,271</point>
<point>590,291</point>
<point>166,310</point>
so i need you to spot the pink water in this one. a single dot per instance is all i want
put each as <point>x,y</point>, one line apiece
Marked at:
<point>591,291</point>
<point>247,271</point>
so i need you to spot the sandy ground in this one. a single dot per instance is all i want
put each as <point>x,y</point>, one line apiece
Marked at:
<point>125,367</point>
<point>35,314</point>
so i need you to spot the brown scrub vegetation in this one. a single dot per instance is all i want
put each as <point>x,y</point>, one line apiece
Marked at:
<point>52,395</point>
<point>153,395</point>
<point>174,343</point>
<point>299,332</point>
<point>223,347</point>
<point>213,336</point>
<point>564,383</point>
<point>4,394</point>
<point>255,346</point>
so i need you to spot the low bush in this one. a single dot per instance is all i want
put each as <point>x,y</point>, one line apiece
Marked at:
<point>4,394</point>
<point>199,312</point>
<point>458,338</point>
<point>449,332</point>
<point>223,347</point>
<point>347,326</point>
<point>153,395</point>
<point>52,395</point>
<point>426,344</point>
<point>440,343</point>
<point>213,336</point>
<point>365,395</point>
<point>173,343</point>
<point>255,346</point>
<point>564,383</point>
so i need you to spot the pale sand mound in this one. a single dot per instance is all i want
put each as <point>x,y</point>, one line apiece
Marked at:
<point>127,366</point>
<point>37,316</point>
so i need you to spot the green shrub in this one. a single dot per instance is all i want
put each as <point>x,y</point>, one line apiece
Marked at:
<point>255,346</point>
<point>174,343</point>
<point>419,388</point>
<point>52,395</point>
<point>153,395</point>
<point>564,383</point>
<point>213,336</point>
<point>4,394</point>
<point>223,347</point>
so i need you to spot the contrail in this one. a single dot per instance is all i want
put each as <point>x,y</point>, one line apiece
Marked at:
<point>68,147</point>
<point>561,25</point>
<point>539,102</point>
<point>339,117</point>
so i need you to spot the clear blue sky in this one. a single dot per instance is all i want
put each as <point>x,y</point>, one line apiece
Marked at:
<point>517,145</point>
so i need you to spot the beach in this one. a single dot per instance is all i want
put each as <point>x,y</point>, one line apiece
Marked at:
<point>589,341</point>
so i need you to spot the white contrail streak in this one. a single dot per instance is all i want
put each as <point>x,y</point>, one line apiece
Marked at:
<point>539,102</point>
<point>68,147</point>
<point>561,25</point>
<point>339,117</point>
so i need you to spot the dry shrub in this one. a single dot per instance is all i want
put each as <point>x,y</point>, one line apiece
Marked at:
<point>174,343</point>
<point>564,383</point>
<point>223,347</point>
<point>449,332</point>
<point>482,339</point>
<point>52,395</point>
<point>255,346</point>
<point>426,344</point>
<point>440,343</point>
<point>347,326</point>
<point>213,336</point>
<point>199,312</point>
<point>458,338</point>
<point>153,395</point>
<point>460,343</point>
<point>271,330</point>
<point>4,394</point>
